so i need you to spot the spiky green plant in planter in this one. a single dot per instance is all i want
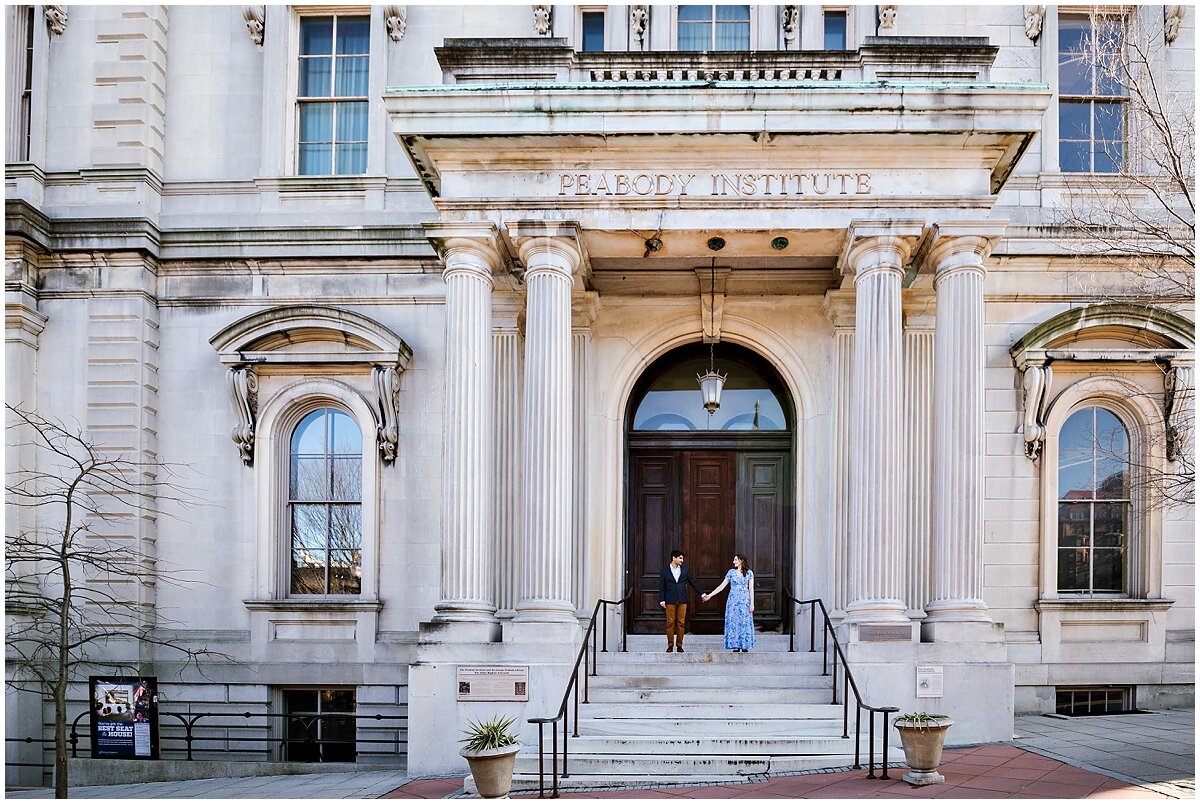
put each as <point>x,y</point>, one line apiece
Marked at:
<point>488,734</point>
<point>922,736</point>
<point>490,748</point>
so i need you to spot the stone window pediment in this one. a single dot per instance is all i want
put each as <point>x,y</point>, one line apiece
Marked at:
<point>315,340</point>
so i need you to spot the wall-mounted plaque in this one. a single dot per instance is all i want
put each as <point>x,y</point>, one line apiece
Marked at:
<point>884,633</point>
<point>929,681</point>
<point>493,683</point>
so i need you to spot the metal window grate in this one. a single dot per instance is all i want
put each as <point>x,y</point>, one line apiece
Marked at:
<point>1108,699</point>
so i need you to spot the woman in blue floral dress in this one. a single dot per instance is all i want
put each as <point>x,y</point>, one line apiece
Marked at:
<point>739,606</point>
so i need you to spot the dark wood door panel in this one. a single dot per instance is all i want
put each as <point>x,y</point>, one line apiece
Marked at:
<point>709,497</point>
<point>762,527</point>
<point>654,512</point>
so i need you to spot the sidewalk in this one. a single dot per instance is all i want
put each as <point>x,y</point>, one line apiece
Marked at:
<point>1143,757</point>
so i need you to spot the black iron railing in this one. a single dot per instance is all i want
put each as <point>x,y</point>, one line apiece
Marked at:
<point>300,736</point>
<point>597,644</point>
<point>828,638</point>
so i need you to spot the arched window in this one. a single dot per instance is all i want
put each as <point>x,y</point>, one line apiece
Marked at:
<point>325,474</point>
<point>1093,503</point>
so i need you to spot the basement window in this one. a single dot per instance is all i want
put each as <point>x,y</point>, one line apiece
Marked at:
<point>1107,699</point>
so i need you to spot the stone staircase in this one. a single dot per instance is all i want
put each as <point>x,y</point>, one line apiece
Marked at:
<point>706,715</point>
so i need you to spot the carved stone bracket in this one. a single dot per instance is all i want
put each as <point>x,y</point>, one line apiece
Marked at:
<point>1036,381</point>
<point>396,18</point>
<point>255,17</point>
<point>243,390</point>
<point>712,301</point>
<point>791,25</point>
<point>541,20</point>
<point>1176,403</point>
<point>1034,16</point>
<point>887,18</point>
<point>1172,19</point>
<point>386,380</point>
<point>56,19</point>
<point>639,20</point>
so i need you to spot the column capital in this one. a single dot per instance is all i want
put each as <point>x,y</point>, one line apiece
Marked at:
<point>958,245</point>
<point>879,245</point>
<point>555,246</point>
<point>472,246</point>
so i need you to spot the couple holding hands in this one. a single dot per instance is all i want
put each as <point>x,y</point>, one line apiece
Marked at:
<point>673,581</point>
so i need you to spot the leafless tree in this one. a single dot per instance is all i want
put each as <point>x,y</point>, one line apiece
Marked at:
<point>74,594</point>
<point>1131,220</point>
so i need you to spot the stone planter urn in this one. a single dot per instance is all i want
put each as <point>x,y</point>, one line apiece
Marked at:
<point>922,736</point>
<point>492,769</point>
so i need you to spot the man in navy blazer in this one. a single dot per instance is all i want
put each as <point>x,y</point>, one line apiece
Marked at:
<point>673,581</point>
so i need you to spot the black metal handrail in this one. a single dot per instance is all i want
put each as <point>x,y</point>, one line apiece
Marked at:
<point>589,637</point>
<point>828,635</point>
<point>189,721</point>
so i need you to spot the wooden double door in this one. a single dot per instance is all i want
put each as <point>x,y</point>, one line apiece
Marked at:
<point>709,501</point>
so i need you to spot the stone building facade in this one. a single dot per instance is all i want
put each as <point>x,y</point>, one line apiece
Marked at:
<point>416,294</point>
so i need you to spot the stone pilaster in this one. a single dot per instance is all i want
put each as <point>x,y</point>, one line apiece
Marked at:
<point>467,593</point>
<point>508,467</point>
<point>918,446</point>
<point>129,110</point>
<point>957,257</point>
<point>551,256</point>
<point>839,308</point>
<point>876,255</point>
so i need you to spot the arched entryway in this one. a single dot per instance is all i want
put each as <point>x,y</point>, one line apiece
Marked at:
<point>709,485</point>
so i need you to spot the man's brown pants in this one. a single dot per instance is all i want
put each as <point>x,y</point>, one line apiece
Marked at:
<point>676,614</point>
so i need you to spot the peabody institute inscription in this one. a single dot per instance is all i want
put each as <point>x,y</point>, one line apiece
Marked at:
<point>774,183</point>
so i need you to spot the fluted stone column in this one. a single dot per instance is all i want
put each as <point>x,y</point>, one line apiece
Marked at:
<point>550,256</point>
<point>957,256</point>
<point>467,589</point>
<point>877,256</point>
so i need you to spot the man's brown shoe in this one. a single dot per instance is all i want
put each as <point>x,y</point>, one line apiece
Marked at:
<point>680,649</point>
<point>669,649</point>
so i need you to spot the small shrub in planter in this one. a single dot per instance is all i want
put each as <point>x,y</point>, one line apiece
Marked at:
<point>922,736</point>
<point>491,750</point>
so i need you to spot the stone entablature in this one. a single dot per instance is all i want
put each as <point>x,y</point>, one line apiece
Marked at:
<point>881,58</point>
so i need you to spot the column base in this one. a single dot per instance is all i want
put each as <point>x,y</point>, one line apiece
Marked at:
<point>545,610</point>
<point>880,620</point>
<point>464,611</point>
<point>436,633</point>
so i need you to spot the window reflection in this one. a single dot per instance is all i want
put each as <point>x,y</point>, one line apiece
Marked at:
<point>673,402</point>
<point>325,504</point>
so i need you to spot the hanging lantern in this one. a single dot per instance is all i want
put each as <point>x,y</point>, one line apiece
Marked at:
<point>710,388</point>
<point>713,381</point>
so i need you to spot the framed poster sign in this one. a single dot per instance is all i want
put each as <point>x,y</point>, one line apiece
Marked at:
<point>503,683</point>
<point>124,717</point>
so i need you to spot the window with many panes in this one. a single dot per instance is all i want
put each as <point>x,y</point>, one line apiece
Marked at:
<point>331,99</point>
<point>834,25</point>
<point>714,28</point>
<point>20,83</point>
<point>325,504</point>
<point>1093,503</point>
<point>1092,98</point>
<point>320,725</point>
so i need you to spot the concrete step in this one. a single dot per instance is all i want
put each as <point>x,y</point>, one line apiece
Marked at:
<point>701,668</point>
<point>699,746</point>
<point>723,712</point>
<point>701,654</point>
<point>763,643</point>
<point>698,695</point>
<point>662,766</point>
<point>740,727</point>
<point>732,683</point>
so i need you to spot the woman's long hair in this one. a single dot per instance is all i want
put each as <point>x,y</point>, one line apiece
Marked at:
<point>745,564</point>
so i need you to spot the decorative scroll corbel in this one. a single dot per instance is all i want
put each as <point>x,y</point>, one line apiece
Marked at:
<point>396,19</point>
<point>541,20</point>
<point>791,25</point>
<point>243,390</point>
<point>255,17</point>
<point>1034,16</point>
<point>386,380</point>
<point>56,19</point>
<point>1036,381</point>
<point>639,18</point>
<point>1178,386</point>
<point>887,17</point>
<point>1172,19</point>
